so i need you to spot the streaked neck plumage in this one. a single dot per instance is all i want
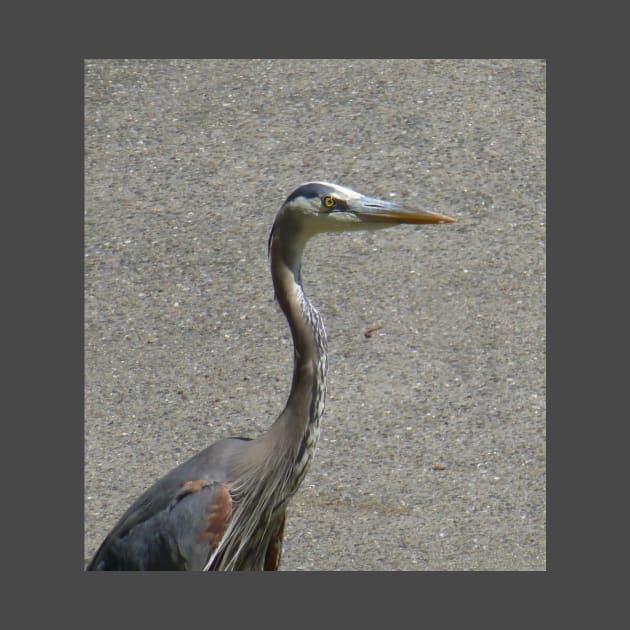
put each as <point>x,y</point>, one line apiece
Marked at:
<point>297,427</point>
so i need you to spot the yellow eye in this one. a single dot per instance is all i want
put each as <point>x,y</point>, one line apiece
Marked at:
<point>329,201</point>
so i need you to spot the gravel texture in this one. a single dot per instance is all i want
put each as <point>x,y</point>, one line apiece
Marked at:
<point>432,453</point>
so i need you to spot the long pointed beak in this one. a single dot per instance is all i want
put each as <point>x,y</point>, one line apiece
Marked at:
<point>373,210</point>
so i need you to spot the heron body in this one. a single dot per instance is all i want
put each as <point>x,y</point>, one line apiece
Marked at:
<point>224,509</point>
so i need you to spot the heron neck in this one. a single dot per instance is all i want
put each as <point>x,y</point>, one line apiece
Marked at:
<point>305,403</point>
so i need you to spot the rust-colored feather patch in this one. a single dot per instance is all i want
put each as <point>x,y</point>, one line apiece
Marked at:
<point>219,515</point>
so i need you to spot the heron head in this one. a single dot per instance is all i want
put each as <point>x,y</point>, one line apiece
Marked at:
<point>325,207</point>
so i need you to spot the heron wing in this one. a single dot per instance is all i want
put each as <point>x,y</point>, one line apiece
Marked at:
<point>179,537</point>
<point>162,529</point>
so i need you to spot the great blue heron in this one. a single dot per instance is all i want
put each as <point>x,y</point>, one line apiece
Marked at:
<point>224,509</point>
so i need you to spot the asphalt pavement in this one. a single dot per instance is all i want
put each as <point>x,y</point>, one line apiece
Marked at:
<point>432,449</point>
